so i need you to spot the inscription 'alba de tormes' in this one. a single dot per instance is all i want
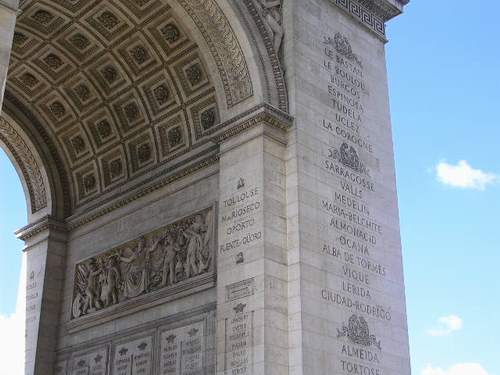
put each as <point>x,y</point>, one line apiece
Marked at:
<point>159,260</point>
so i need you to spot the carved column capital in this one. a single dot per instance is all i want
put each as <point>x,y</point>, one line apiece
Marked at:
<point>261,114</point>
<point>45,227</point>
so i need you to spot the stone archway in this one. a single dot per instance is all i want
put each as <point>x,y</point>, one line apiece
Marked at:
<point>121,88</point>
<point>123,98</point>
<point>189,209</point>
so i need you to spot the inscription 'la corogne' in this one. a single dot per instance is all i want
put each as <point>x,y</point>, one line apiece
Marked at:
<point>347,123</point>
<point>345,134</point>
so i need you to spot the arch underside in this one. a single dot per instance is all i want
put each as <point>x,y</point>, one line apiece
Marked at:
<point>120,89</point>
<point>30,171</point>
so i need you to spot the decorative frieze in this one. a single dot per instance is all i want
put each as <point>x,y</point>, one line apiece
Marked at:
<point>158,263</point>
<point>363,15</point>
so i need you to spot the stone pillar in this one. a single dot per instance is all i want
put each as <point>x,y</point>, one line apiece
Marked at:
<point>252,272</point>
<point>45,249</point>
<point>8,12</point>
<point>346,290</point>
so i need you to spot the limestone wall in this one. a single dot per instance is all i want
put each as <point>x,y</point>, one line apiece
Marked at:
<point>346,302</point>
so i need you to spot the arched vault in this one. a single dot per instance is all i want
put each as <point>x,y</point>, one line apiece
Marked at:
<point>117,93</point>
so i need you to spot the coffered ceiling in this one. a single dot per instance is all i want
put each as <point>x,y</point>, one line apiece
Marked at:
<point>119,85</point>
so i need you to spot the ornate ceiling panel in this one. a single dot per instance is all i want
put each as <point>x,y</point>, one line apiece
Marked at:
<point>119,84</point>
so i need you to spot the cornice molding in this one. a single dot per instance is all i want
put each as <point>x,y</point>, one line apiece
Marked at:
<point>385,9</point>
<point>263,113</point>
<point>47,223</point>
<point>154,184</point>
<point>373,13</point>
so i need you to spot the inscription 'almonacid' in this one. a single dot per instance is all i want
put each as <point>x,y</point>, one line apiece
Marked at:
<point>159,260</point>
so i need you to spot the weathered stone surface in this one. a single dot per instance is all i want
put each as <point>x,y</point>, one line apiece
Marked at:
<point>212,186</point>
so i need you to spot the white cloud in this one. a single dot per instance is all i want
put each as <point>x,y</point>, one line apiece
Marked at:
<point>458,369</point>
<point>12,329</point>
<point>447,325</point>
<point>463,176</point>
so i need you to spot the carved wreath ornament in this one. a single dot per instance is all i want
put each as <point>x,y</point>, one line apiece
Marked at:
<point>358,332</point>
<point>159,260</point>
<point>348,156</point>
<point>343,47</point>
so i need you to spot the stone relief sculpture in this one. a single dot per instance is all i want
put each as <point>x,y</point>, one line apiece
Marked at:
<point>270,11</point>
<point>162,259</point>
<point>348,156</point>
<point>358,332</point>
<point>343,47</point>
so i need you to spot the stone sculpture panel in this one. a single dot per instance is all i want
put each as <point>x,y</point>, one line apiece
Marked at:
<point>177,254</point>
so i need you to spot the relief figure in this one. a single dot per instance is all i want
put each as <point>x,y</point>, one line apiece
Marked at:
<point>110,283</point>
<point>158,260</point>
<point>171,248</point>
<point>136,274</point>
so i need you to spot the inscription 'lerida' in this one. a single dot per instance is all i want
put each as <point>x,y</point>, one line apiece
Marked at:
<point>164,260</point>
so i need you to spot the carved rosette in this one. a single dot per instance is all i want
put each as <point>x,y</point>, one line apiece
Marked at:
<point>159,263</point>
<point>26,161</point>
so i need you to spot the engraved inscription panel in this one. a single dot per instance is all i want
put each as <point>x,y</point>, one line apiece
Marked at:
<point>351,231</point>
<point>90,363</point>
<point>183,344</point>
<point>181,350</point>
<point>240,289</point>
<point>134,357</point>
<point>239,341</point>
<point>355,214</point>
<point>239,219</point>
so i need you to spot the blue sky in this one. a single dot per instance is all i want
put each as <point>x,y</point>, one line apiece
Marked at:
<point>12,217</point>
<point>443,62</point>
